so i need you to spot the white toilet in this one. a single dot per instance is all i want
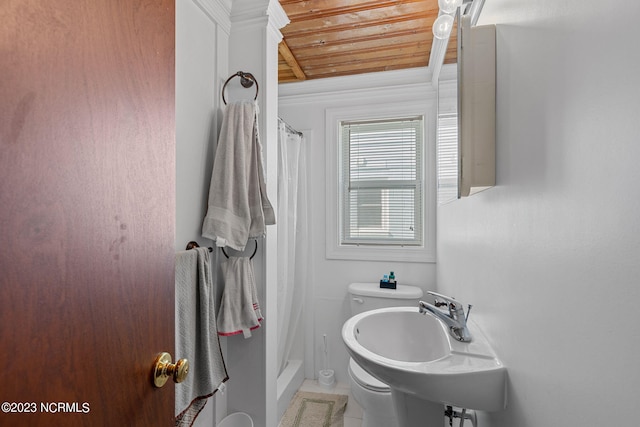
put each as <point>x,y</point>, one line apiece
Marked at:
<point>373,395</point>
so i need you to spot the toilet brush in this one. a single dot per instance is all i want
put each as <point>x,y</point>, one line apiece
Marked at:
<point>326,376</point>
<point>326,352</point>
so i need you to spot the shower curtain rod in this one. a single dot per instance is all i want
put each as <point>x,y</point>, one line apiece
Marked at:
<point>289,128</point>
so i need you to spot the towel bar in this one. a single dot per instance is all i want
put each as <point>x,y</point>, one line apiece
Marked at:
<point>193,244</point>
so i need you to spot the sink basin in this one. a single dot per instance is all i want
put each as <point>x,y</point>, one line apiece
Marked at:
<point>402,335</point>
<point>414,354</point>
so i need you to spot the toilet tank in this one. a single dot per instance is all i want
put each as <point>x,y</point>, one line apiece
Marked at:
<point>369,296</point>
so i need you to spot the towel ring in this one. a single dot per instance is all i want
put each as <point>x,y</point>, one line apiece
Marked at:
<point>193,244</point>
<point>252,255</point>
<point>246,80</point>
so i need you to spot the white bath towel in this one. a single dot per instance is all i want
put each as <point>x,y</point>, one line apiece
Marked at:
<point>196,334</point>
<point>239,309</point>
<point>238,207</point>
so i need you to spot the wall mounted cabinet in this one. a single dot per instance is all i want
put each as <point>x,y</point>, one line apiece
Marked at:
<point>466,128</point>
<point>476,106</point>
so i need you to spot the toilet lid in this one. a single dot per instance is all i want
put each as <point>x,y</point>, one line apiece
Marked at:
<point>365,379</point>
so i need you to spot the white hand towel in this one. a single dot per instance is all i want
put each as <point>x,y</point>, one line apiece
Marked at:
<point>238,207</point>
<point>196,334</point>
<point>239,309</point>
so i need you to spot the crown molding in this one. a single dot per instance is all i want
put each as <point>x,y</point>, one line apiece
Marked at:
<point>394,80</point>
<point>218,11</point>
<point>277,14</point>
<point>258,13</point>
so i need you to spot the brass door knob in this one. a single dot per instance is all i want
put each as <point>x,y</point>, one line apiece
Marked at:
<point>163,369</point>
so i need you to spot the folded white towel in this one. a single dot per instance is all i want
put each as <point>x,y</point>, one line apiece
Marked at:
<point>238,207</point>
<point>196,334</point>
<point>239,309</point>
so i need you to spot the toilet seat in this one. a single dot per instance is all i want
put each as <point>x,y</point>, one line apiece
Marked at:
<point>365,379</point>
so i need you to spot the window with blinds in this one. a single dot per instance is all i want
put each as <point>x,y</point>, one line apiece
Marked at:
<point>382,182</point>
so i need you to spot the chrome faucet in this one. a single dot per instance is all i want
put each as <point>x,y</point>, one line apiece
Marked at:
<point>455,319</point>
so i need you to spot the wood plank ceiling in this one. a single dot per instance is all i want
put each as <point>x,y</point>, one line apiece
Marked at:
<point>328,38</point>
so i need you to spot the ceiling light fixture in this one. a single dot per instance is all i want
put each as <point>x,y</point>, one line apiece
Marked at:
<point>449,6</point>
<point>442,26</point>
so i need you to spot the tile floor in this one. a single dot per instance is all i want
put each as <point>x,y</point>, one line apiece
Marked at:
<point>353,413</point>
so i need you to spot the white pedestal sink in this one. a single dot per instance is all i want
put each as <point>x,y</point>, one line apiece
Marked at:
<point>414,354</point>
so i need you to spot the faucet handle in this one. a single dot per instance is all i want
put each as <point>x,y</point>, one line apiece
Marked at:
<point>456,310</point>
<point>449,300</point>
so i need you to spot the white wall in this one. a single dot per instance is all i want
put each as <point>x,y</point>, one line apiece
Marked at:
<point>550,257</point>
<point>303,106</point>
<point>212,37</point>
<point>253,47</point>
<point>201,61</point>
<point>201,65</point>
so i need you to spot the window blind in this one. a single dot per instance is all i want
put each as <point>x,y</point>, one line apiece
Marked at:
<point>381,182</point>
<point>447,158</point>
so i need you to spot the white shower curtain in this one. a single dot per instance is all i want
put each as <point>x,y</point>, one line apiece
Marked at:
<point>292,237</point>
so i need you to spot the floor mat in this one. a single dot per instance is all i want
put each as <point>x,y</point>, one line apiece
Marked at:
<point>315,410</point>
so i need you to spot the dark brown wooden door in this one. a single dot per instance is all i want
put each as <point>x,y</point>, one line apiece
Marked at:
<point>86,211</point>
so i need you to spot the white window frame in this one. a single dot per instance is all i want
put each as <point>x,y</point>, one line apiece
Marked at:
<point>379,235</point>
<point>415,253</point>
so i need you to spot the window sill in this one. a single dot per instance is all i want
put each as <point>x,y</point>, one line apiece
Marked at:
<point>380,253</point>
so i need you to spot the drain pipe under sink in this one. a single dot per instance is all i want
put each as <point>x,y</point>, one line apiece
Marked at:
<point>463,415</point>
